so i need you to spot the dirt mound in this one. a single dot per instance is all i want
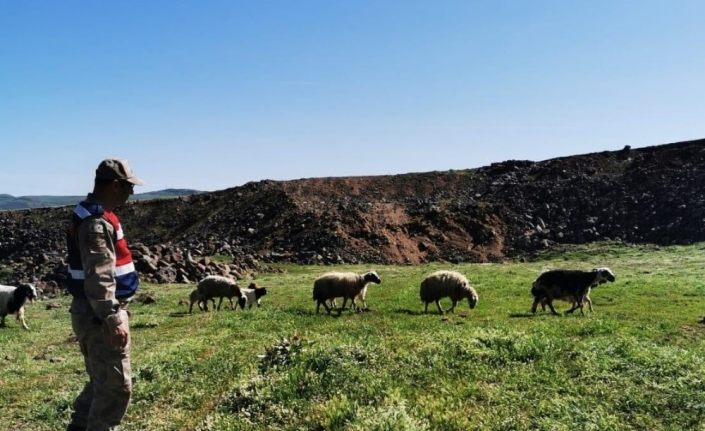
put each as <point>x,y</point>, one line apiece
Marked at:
<point>650,195</point>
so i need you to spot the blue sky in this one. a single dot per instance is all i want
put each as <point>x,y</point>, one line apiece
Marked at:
<point>213,94</point>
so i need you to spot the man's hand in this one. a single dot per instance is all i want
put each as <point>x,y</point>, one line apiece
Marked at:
<point>118,331</point>
<point>118,335</point>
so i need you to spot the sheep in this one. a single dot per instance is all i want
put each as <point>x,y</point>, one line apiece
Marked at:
<point>360,297</point>
<point>12,300</point>
<point>253,293</point>
<point>196,297</point>
<point>216,286</point>
<point>346,284</point>
<point>570,298</point>
<point>441,284</point>
<point>570,285</point>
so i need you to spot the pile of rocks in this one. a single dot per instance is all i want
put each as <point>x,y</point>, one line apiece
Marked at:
<point>647,195</point>
<point>168,263</point>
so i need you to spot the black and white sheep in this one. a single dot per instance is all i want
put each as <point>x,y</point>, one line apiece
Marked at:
<point>216,286</point>
<point>569,285</point>
<point>13,299</point>
<point>442,284</point>
<point>253,294</point>
<point>341,284</point>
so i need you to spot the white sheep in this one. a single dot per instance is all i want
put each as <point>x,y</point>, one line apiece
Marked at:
<point>341,284</point>
<point>216,286</point>
<point>12,300</point>
<point>442,284</point>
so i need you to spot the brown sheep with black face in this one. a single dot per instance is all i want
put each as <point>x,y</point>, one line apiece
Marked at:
<point>341,284</point>
<point>216,286</point>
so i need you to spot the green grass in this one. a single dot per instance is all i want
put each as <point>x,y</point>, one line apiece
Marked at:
<point>638,362</point>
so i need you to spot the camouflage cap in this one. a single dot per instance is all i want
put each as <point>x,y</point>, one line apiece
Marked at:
<point>117,169</point>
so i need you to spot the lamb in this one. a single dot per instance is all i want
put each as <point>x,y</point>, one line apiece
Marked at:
<point>12,300</point>
<point>346,284</point>
<point>196,297</point>
<point>570,285</point>
<point>452,284</point>
<point>360,297</point>
<point>216,286</point>
<point>253,293</point>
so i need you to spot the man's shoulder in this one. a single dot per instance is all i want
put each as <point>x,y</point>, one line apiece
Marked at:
<point>95,224</point>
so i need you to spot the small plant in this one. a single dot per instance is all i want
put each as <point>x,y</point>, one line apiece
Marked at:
<point>280,353</point>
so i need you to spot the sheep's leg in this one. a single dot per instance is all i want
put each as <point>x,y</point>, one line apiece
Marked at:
<point>550,305</point>
<point>325,305</point>
<point>2,322</point>
<point>232,307</point>
<point>190,308</point>
<point>535,304</point>
<point>219,303</point>
<point>576,305</point>
<point>425,308</point>
<point>20,318</point>
<point>205,303</point>
<point>589,301</point>
<point>345,302</point>
<point>318,306</point>
<point>438,304</point>
<point>452,307</point>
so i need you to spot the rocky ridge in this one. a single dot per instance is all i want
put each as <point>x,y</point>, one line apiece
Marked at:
<point>646,195</point>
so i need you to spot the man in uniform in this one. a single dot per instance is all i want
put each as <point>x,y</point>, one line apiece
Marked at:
<point>102,280</point>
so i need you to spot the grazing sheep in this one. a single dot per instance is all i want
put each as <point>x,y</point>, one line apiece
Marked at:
<point>336,284</point>
<point>441,284</point>
<point>12,300</point>
<point>570,285</point>
<point>196,297</point>
<point>216,286</point>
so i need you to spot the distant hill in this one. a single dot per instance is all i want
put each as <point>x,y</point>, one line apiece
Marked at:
<point>9,202</point>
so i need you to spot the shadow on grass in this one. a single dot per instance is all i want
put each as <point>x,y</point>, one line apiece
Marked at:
<point>334,312</point>
<point>179,314</point>
<point>412,312</point>
<point>144,325</point>
<point>299,312</point>
<point>525,314</point>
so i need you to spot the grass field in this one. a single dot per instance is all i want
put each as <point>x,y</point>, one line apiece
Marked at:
<point>638,362</point>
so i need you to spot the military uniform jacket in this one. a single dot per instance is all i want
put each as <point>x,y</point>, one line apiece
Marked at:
<point>100,263</point>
